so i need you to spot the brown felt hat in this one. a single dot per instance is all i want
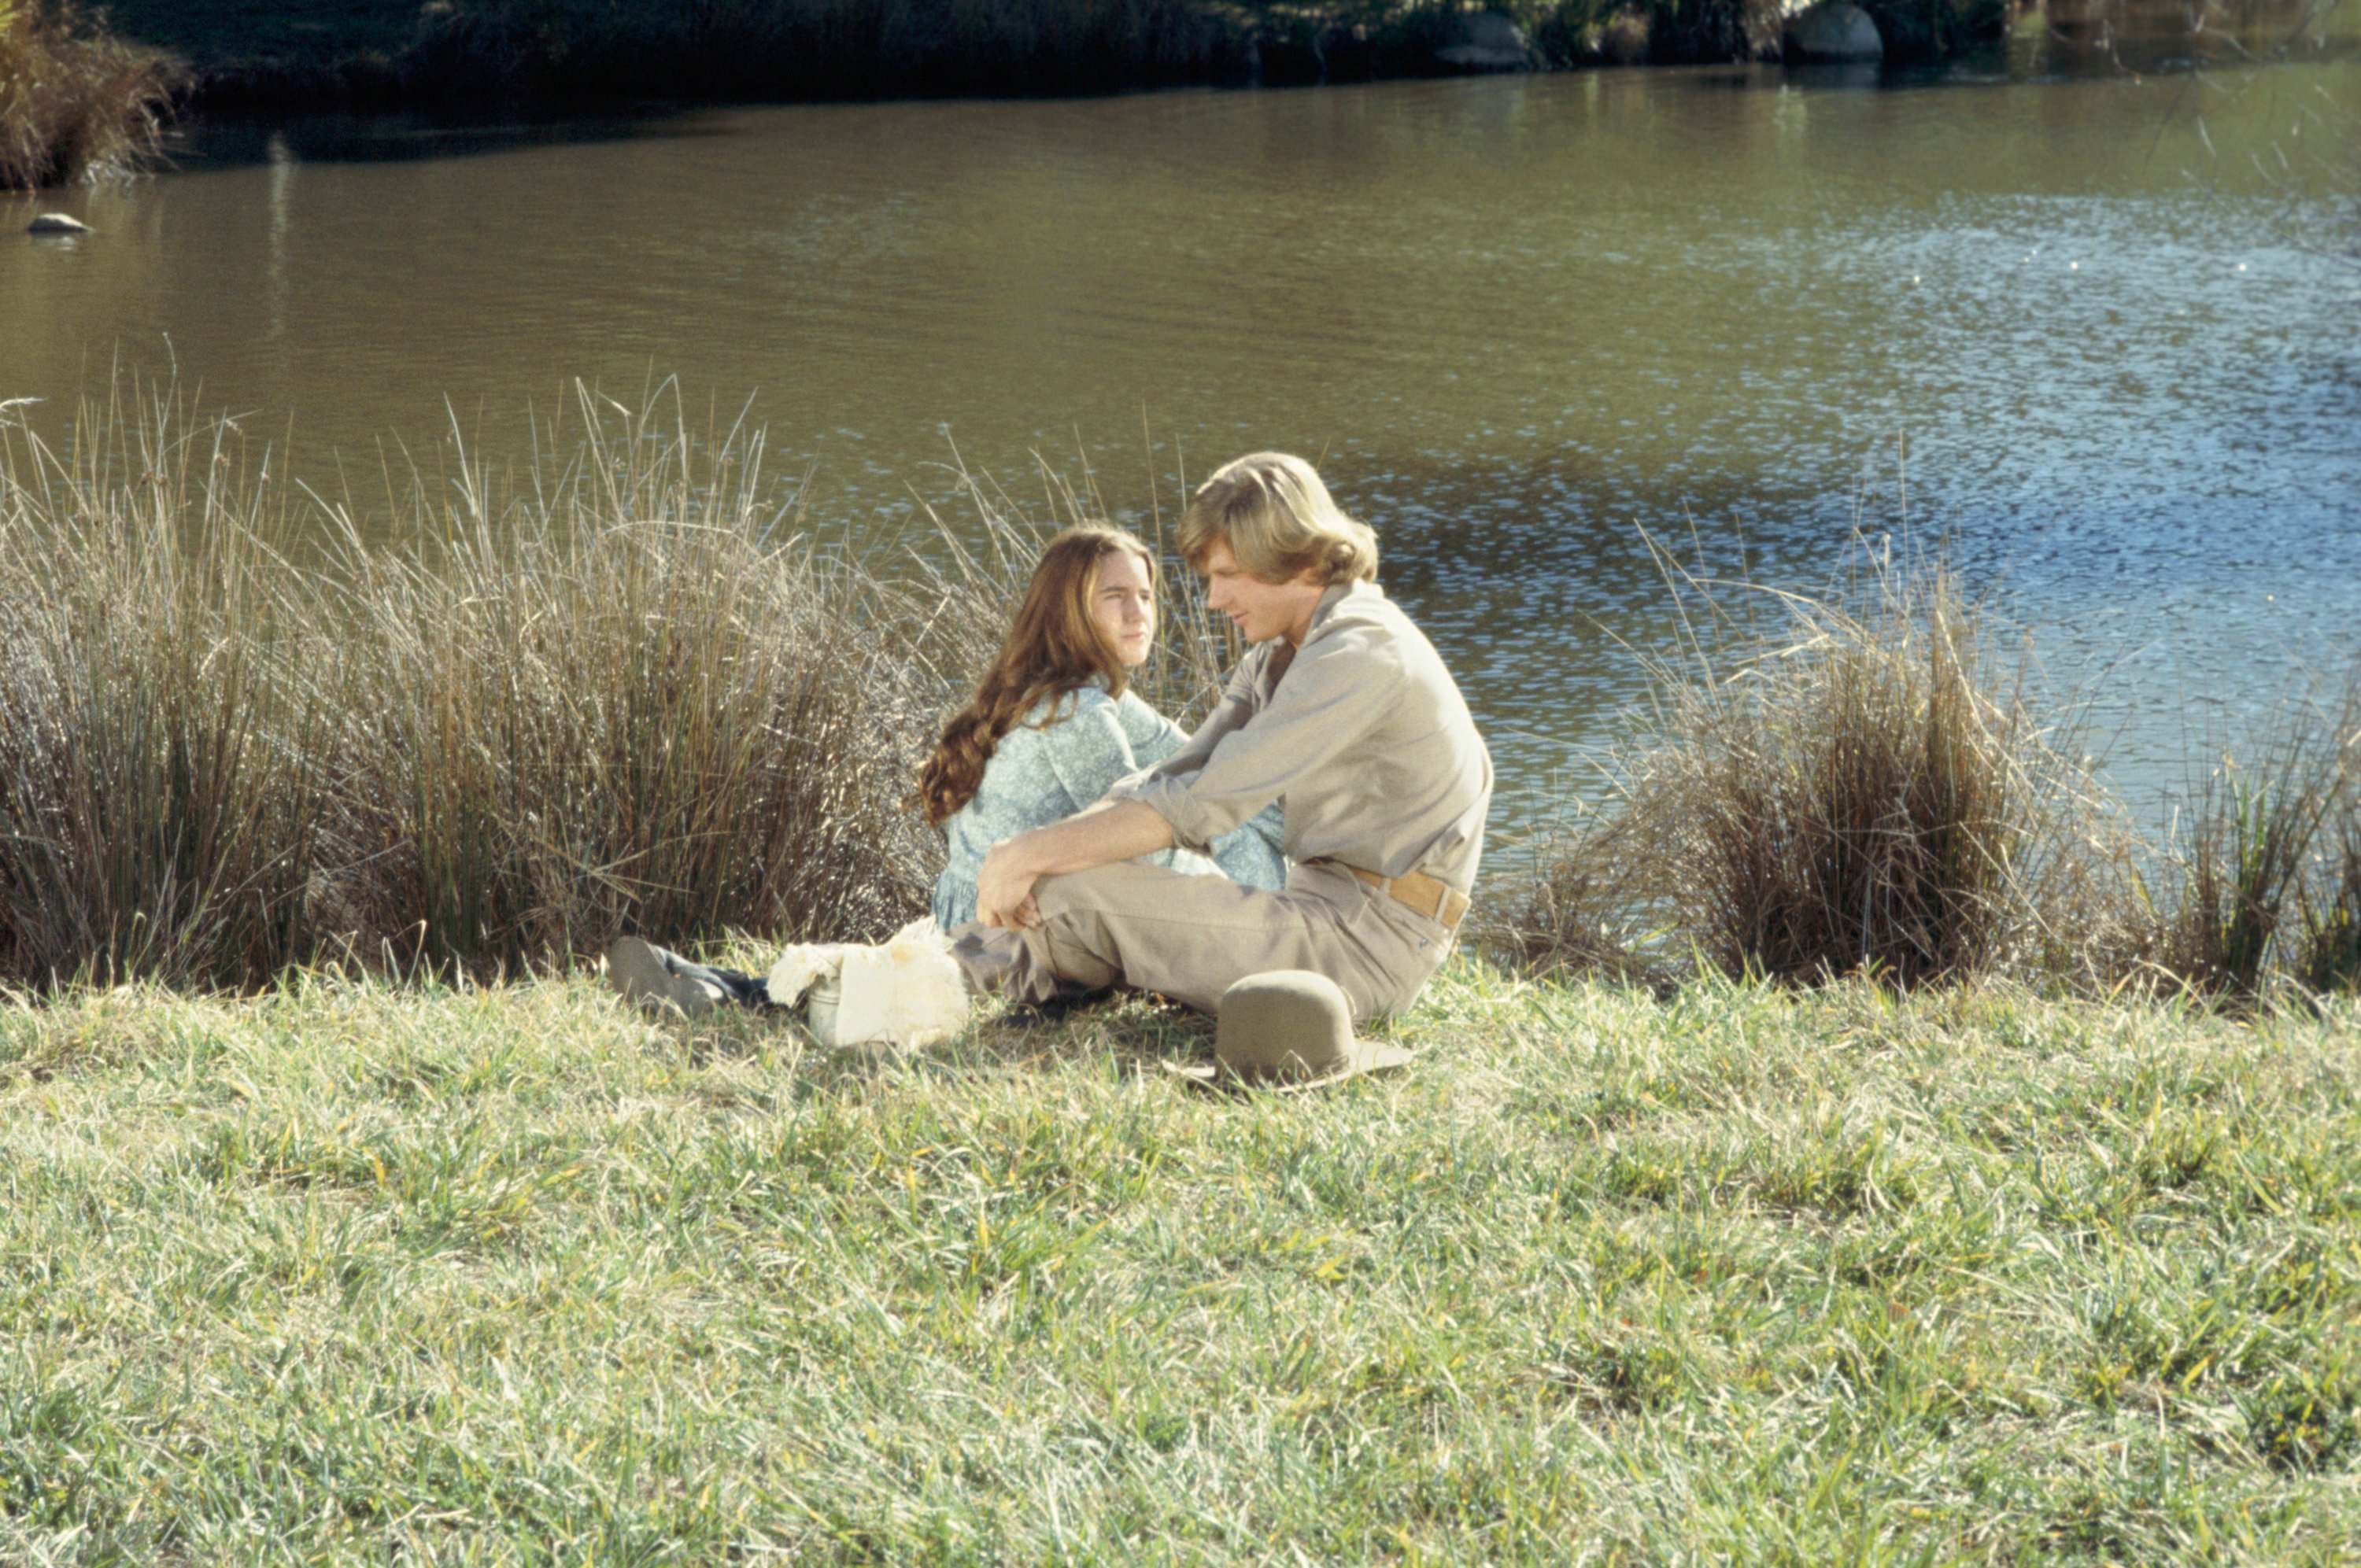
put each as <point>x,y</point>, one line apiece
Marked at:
<point>1288,1029</point>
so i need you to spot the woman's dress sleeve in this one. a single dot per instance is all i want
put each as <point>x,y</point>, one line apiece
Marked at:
<point>1255,852</point>
<point>1089,751</point>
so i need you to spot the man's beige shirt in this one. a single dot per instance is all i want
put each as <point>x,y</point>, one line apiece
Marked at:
<point>1363,734</point>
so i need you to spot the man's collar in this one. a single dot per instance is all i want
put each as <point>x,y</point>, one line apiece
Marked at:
<point>1334,595</point>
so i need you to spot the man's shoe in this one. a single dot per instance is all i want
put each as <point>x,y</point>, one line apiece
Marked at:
<point>647,974</point>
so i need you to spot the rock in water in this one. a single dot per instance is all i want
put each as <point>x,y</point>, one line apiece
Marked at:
<point>1484,41</point>
<point>1833,31</point>
<point>56,223</point>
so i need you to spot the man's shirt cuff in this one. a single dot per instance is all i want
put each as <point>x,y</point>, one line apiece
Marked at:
<point>1192,826</point>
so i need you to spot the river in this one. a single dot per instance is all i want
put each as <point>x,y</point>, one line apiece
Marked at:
<point>2090,329</point>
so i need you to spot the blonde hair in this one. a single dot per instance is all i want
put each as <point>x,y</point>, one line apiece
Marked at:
<point>1278,521</point>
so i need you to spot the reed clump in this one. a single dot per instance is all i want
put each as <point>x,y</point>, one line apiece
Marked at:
<point>2262,872</point>
<point>2329,959</point>
<point>1577,901</point>
<point>625,695</point>
<point>1859,784</point>
<point>163,752</point>
<point>76,105</point>
<point>2325,953</point>
<point>1864,784</point>
<point>2240,860</point>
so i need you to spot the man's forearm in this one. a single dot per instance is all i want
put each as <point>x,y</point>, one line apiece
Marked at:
<point>1110,831</point>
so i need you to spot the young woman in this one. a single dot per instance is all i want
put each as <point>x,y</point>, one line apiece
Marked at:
<point>1054,722</point>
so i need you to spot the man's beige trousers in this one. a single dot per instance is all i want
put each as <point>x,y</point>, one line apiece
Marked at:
<point>1191,938</point>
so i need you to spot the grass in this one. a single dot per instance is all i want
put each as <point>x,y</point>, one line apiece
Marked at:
<point>623,695</point>
<point>1863,783</point>
<point>624,690</point>
<point>2330,950</point>
<point>352,1271</point>
<point>1855,783</point>
<point>76,105</point>
<point>2264,871</point>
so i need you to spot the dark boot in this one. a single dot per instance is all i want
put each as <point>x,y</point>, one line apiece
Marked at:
<point>652,976</point>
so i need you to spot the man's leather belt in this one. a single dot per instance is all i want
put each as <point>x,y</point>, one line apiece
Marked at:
<point>1416,890</point>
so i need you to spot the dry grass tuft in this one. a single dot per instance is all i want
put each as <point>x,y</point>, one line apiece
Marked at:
<point>1864,784</point>
<point>1578,901</point>
<point>2265,868</point>
<point>2329,959</point>
<point>626,695</point>
<point>75,105</point>
<point>1860,784</point>
<point>2240,857</point>
<point>623,691</point>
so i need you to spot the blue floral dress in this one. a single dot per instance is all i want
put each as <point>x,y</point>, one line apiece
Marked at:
<point>1044,775</point>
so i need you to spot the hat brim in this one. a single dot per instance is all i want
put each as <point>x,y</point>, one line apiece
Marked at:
<point>1366,1058</point>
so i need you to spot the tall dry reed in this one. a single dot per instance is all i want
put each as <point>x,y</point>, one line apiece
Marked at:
<point>1855,784</point>
<point>75,104</point>
<point>2240,858</point>
<point>622,694</point>
<point>164,766</point>
<point>2262,872</point>
<point>978,565</point>
<point>2328,956</point>
<point>1575,896</point>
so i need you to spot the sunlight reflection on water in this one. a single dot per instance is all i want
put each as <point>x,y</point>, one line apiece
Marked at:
<point>1519,320</point>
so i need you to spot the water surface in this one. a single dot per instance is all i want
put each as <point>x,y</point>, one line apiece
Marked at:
<point>2093,329</point>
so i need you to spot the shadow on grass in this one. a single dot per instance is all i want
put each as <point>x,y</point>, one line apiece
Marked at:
<point>1132,1034</point>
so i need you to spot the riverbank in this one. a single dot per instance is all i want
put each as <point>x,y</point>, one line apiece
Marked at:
<point>354,1269</point>
<point>626,691</point>
<point>389,52</point>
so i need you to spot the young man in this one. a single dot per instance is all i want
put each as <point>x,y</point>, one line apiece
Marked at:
<point>1342,712</point>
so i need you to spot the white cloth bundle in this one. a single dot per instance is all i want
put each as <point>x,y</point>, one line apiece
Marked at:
<point>907,991</point>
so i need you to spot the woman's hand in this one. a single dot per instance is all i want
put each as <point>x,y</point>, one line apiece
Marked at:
<point>1004,887</point>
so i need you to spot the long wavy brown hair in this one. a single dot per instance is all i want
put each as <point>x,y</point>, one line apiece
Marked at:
<point>1053,647</point>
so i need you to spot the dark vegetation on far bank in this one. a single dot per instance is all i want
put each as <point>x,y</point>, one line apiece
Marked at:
<point>384,54</point>
<point>86,91</point>
<point>392,51</point>
<point>624,692</point>
<point>575,50</point>
<point>83,90</point>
